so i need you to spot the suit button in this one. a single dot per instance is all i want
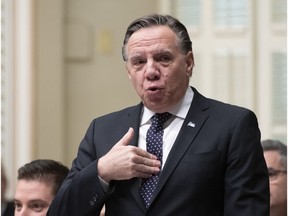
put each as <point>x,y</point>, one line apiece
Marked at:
<point>94,199</point>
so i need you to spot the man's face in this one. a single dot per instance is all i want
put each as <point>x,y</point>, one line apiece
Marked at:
<point>32,198</point>
<point>157,68</point>
<point>278,186</point>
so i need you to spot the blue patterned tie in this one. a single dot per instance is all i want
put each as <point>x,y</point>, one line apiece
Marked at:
<point>154,142</point>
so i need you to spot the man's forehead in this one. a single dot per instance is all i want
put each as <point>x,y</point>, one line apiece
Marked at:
<point>272,157</point>
<point>151,33</point>
<point>34,185</point>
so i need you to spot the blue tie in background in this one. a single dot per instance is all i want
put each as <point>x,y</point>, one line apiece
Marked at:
<point>154,142</point>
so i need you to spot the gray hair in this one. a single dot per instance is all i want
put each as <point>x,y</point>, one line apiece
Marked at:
<point>155,20</point>
<point>275,145</point>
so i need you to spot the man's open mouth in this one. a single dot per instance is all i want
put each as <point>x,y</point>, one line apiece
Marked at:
<point>153,89</point>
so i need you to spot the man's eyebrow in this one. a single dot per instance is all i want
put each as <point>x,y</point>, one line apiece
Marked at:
<point>156,52</point>
<point>136,55</point>
<point>37,200</point>
<point>32,201</point>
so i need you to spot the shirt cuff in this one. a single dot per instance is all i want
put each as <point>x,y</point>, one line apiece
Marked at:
<point>104,184</point>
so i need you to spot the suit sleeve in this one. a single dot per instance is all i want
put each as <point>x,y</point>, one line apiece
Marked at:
<point>81,193</point>
<point>246,178</point>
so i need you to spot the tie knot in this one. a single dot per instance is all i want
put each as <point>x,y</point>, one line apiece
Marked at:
<point>160,118</point>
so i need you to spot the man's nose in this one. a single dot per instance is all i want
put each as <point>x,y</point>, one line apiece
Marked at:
<point>152,72</point>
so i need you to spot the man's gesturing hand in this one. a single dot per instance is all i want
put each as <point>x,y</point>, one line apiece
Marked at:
<point>124,161</point>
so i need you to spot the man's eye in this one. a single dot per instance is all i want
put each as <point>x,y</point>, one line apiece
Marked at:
<point>138,62</point>
<point>37,207</point>
<point>18,206</point>
<point>165,58</point>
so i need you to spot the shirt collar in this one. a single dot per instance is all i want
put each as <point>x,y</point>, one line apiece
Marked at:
<point>180,110</point>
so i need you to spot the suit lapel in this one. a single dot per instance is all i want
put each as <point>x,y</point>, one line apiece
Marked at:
<point>134,121</point>
<point>193,122</point>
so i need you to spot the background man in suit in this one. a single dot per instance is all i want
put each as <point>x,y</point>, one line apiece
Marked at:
<point>38,183</point>
<point>275,154</point>
<point>210,161</point>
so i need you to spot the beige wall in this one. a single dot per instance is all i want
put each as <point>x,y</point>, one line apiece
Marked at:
<point>80,72</point>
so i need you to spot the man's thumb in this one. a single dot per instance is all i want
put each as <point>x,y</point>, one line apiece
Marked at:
<point>126,139</point>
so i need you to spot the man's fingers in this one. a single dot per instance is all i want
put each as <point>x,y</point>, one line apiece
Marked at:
<point>146,171</point>
<point>146,154</point>
<point>150,162</point>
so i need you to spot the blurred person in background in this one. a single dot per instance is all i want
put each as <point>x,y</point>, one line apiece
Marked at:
<point>38,183</point>
<point>7,206</point>
<point>275,153</point>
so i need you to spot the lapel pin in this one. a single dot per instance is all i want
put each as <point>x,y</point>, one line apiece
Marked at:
<point>191,124</point>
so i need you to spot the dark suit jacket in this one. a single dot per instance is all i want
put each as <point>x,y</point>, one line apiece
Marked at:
<point>9,209</point>
<point>215,168</point>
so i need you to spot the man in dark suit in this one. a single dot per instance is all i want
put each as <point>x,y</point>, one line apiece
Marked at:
<point>205,160</point>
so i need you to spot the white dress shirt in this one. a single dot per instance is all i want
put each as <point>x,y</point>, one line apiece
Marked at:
<point>171,127</point>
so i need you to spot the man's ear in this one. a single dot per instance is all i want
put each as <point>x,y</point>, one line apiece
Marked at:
<point>189,63</point>
<point>128,71</point>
